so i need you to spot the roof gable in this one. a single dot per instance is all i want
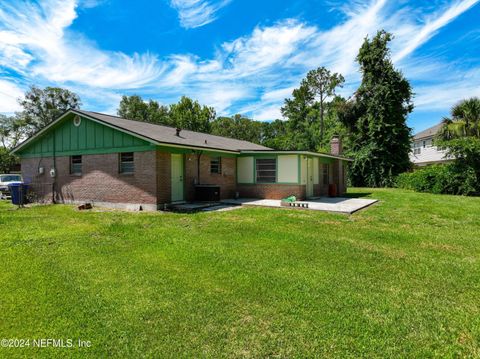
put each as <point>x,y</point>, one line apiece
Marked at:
<point>429,132</point>
<point>65,137</point>
<point>110,134</point>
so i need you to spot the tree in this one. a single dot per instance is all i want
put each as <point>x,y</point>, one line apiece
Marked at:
<point>376,117</point>
<point>275,135</point>
<point>460,135</point>
<point>311,111</point>
<point>190,115</point>
<point>465,120</point>
<point>239,127</point>
<point>301,114</point>
<point>323,83</point>
<point>12,131</point>
<point>7,161</point>
<point>42,106</point>
<point>135,108</point>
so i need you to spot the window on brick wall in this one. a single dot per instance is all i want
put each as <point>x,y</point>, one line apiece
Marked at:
<point>76,165</point>
<point>325,174</point>
<point>266,169</point>
<point>127,164</point>
<point>216,165</point>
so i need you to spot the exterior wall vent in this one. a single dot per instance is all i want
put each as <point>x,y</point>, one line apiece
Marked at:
<point>77,120</point>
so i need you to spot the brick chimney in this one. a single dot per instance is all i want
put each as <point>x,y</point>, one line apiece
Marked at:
<point>336,146</point>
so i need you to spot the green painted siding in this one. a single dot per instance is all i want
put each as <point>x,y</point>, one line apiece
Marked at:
<point>88,138</point>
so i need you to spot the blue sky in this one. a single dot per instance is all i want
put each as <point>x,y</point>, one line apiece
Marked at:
<point>240,56</point>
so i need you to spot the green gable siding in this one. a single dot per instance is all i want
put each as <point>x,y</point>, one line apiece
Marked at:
<point>88,138</point>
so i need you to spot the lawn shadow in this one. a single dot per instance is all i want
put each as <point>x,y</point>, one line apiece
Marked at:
<point>357,194</point>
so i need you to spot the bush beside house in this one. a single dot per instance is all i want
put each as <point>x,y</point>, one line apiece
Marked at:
<point>441,179</point>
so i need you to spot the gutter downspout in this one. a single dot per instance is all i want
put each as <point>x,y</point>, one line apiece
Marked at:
<point>54,168</point>
<point>199,155</point>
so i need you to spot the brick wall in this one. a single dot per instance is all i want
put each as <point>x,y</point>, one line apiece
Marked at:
<point>40,185</point>
<point>271,191</point>
<point>226,180</point>
<point>99,182</point>
<point>164,176</point>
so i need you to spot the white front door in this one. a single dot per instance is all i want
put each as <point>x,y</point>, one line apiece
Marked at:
<point>177,178</point>
<point>309,177</point>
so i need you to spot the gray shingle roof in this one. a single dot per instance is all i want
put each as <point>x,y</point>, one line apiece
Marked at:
<point>167,135</point>
<point>429,132</point>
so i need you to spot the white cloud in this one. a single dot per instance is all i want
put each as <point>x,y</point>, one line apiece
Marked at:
<point>197,13</point>
<point>42,44</point>
<point>9,94</point>
<point>418,35</point>
<point>443,95</point>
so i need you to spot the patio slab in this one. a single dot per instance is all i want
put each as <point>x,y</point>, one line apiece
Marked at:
<point>328,204</point>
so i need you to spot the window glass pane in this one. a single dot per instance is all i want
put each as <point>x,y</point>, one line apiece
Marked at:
<point>127,164</point>
<point>10,178</point>
<point>266,170</point>
<point>215,165</point>
<point>76,164</point>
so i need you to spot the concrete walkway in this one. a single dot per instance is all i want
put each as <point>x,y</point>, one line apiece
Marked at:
<point>328,204</point>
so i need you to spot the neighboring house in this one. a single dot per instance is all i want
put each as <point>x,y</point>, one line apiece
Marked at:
<point>88,156</point>
<point>423,150</point>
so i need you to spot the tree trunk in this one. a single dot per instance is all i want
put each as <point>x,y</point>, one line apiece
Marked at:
<point>321,121</point>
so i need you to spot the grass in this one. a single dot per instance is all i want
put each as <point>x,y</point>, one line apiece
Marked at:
<point>400,279</point>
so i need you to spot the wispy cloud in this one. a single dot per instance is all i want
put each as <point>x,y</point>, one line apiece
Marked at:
<point>39,45</point>
<point>197,13</point>
<point>432,24</point>
<point>9,93</point>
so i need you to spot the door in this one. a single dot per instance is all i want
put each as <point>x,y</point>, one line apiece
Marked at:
<point>309,177</point>
<point>177,178</point>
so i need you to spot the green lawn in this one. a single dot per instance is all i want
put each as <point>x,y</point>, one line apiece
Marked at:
<point>399,279</point>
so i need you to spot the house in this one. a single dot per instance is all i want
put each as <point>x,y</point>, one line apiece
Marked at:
<point>424,152</point>
<point>88,156</point>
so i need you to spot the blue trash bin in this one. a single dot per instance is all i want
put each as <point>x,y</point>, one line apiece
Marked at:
<point>18,191</point>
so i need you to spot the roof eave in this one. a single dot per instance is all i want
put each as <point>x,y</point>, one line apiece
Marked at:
<point>316,154</point>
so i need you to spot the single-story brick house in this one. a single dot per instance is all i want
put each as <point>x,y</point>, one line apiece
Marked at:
<point>92,157</point>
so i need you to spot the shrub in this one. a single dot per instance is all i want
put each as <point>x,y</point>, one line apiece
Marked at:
<point>441,179</point>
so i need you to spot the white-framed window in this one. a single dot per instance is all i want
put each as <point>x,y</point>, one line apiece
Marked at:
<point>417,151</point>
<point>216,165</point>
<point>266,169</point>
<point>76,165</point>
<point>127,164</point>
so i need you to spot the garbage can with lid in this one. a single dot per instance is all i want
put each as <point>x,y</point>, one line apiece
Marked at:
<point>18,192</point>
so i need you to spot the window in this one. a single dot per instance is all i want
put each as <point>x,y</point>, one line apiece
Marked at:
<point>126,162</point>
<point>266,170</point>
<point>216,165</point>
<point>11,178</point>
<point>417,151</point>
<point>76,165</point>
<point>325,175</point>
<point>424,144</point>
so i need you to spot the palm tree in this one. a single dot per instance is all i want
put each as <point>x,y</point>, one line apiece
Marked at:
<point>465,120</point>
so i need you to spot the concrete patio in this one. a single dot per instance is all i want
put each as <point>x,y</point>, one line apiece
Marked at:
<point>327,204</point>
